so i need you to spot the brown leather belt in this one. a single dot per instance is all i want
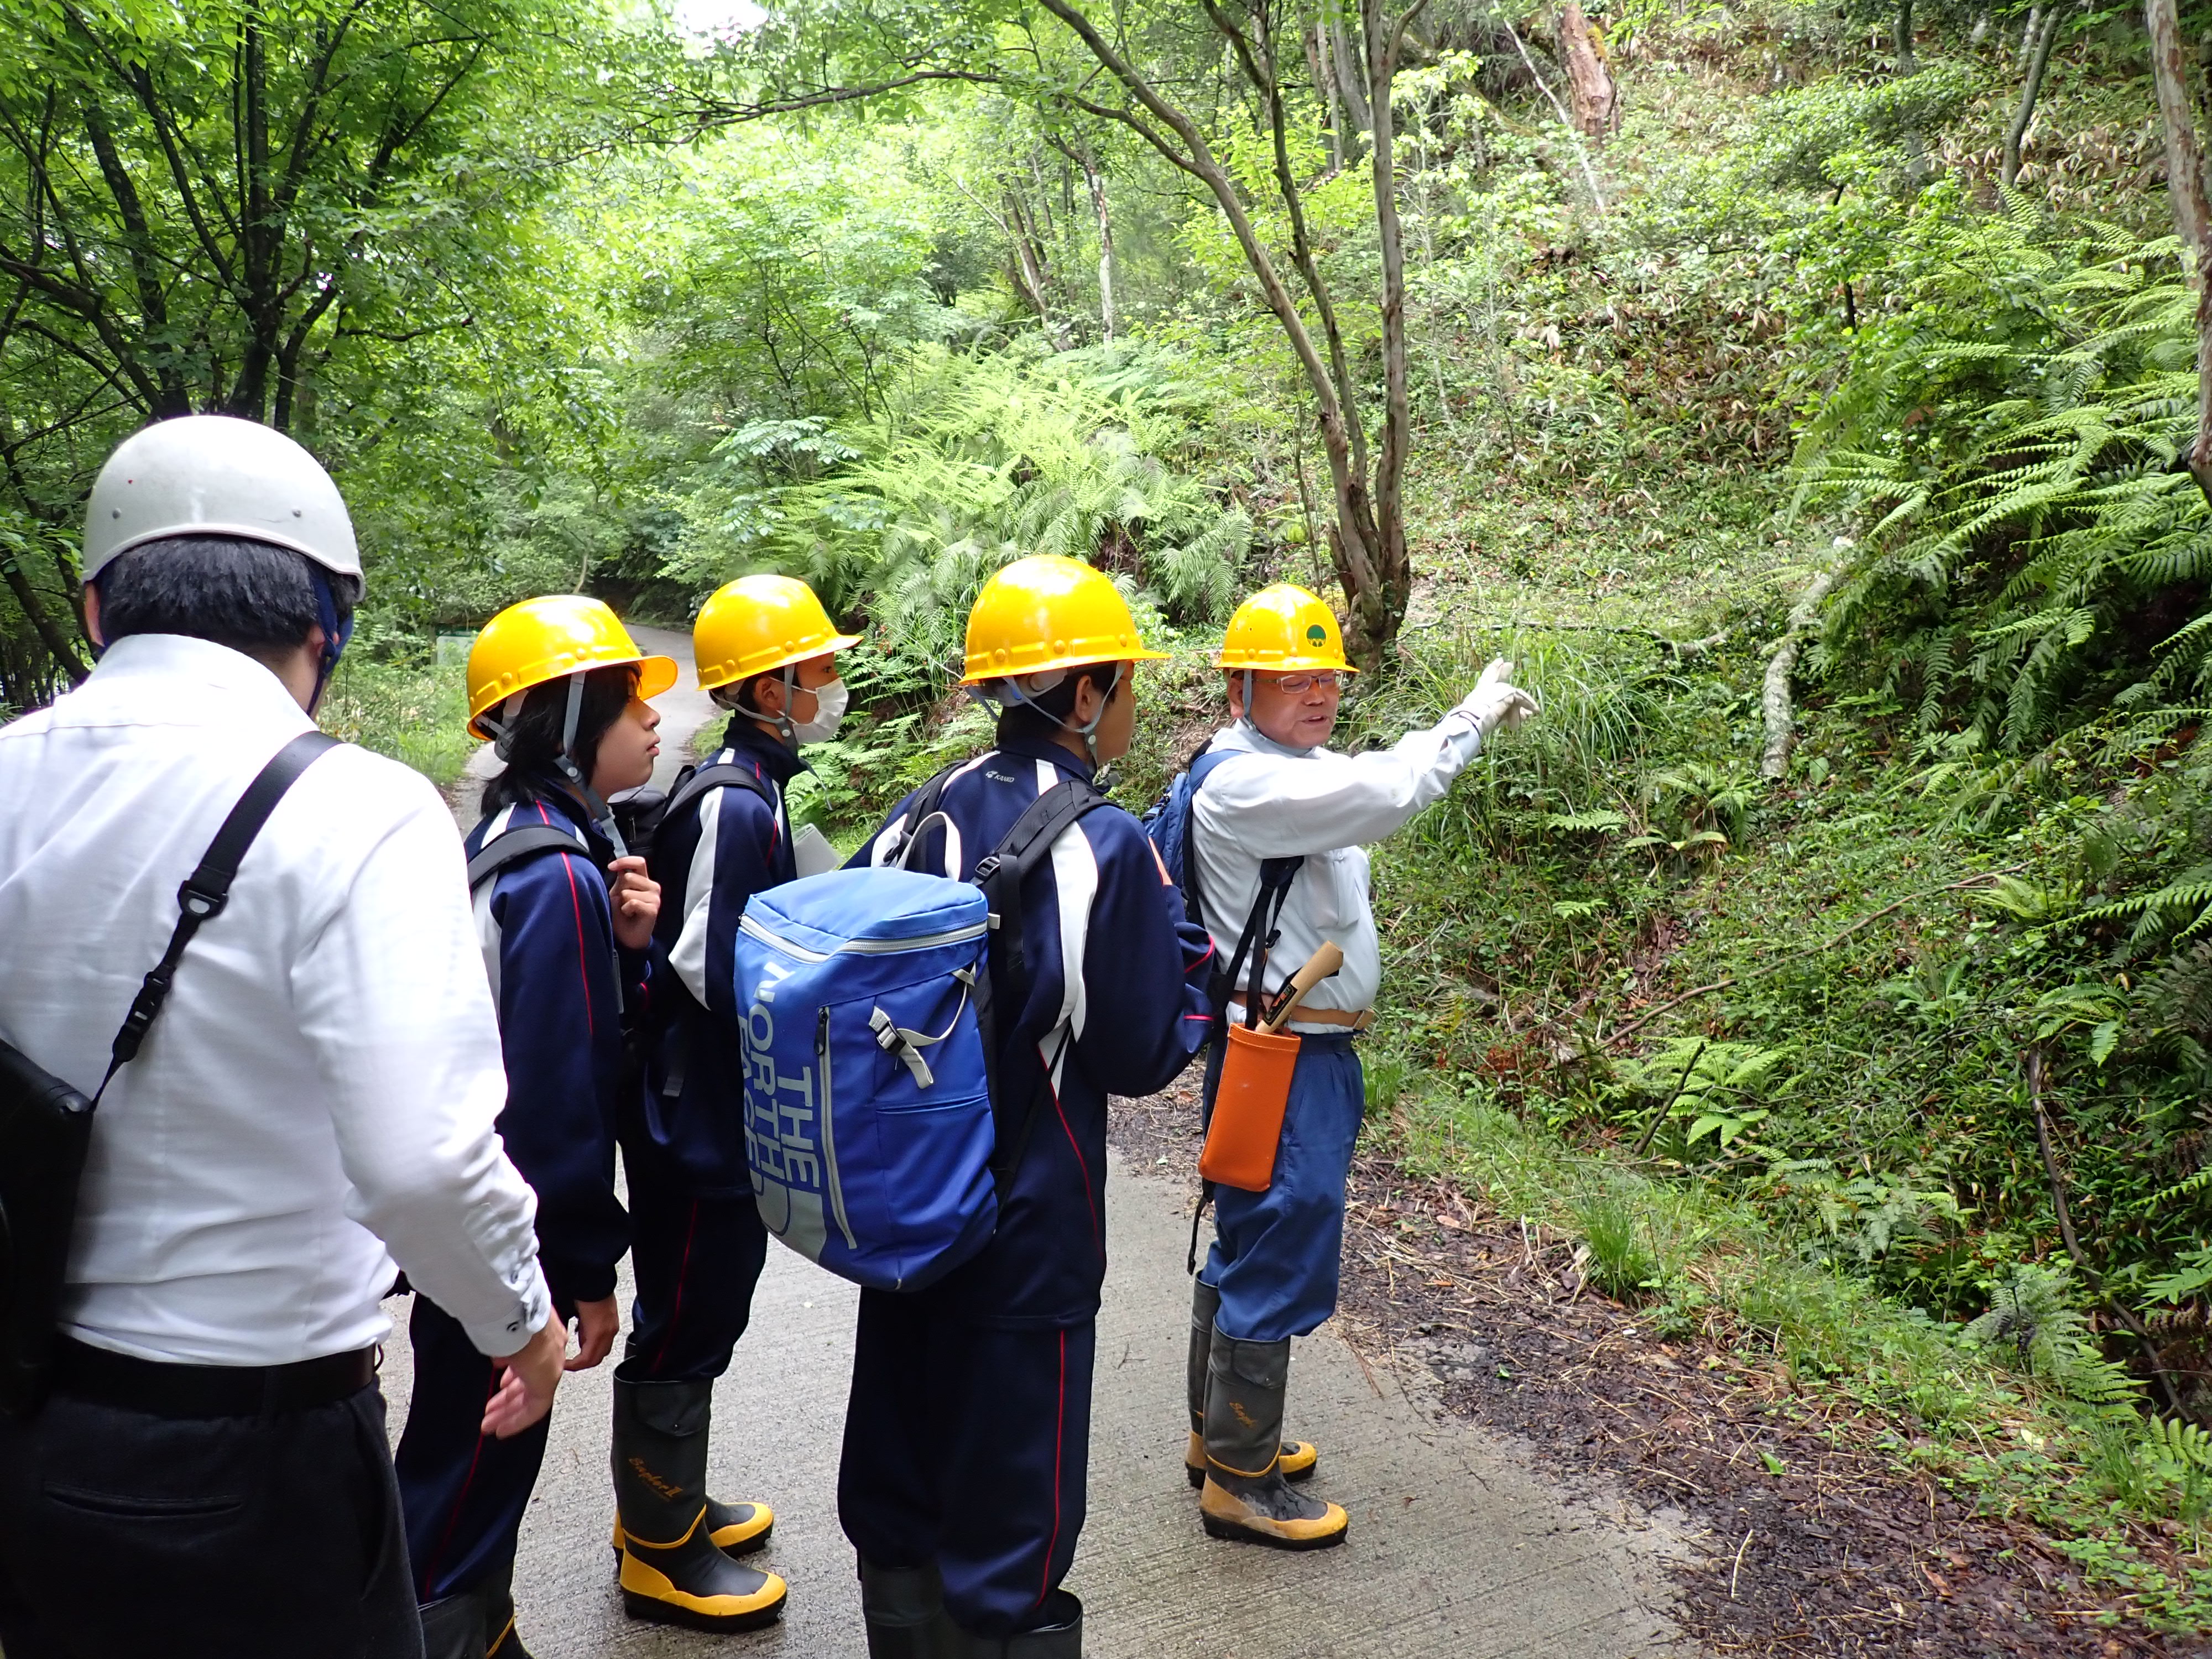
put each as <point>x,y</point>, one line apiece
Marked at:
<point>1344,1017</point>
<point>104,1377</point>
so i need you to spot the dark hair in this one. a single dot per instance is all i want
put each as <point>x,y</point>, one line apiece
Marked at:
<point>1046,713</point>
<point>535,734</point>
<point>745,695</point>
<point>254,596</point>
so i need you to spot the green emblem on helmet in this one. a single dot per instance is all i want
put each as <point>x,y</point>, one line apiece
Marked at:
<point>1317,633</point>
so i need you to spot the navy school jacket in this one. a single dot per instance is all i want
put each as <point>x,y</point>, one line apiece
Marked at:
<point>709,859</point>
<point>565,991</point>
<point>1116,1005</point>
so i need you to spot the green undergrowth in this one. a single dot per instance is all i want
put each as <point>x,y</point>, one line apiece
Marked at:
<point>405,706</point>
<point>1947,1402</point>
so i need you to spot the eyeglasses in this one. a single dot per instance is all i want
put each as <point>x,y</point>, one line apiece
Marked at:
<point>1296,685</point>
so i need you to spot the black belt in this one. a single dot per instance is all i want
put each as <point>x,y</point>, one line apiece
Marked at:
<point>103,1377</point>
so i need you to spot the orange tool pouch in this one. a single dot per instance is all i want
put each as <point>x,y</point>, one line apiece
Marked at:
<point>1247,1126</point>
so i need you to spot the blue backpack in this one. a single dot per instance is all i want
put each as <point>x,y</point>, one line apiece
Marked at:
<point>1168,822</point>
<point>880,1146</point>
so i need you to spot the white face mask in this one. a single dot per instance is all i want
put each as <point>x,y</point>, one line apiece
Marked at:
<point>829,704</point>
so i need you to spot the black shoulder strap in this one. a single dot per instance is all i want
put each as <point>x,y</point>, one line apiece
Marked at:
<point>512,846</point>
<point>1001,871</point>
<point>207,890</point>
<point>694,781</point>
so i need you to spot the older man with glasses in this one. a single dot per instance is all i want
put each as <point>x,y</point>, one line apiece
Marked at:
<point>1277,826</point>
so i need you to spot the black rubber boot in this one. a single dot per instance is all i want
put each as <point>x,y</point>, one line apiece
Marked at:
<point>672,1572</point>
<point>503,1640</point>
<point>457,1626</point>
<point>1296,1460</point>
<point>903,1609</point>
<point>1244,1496</point>
<point>1061,1639</point>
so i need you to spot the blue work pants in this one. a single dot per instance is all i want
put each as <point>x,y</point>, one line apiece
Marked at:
<point>1277,1255</point>
<point>966,1444</point>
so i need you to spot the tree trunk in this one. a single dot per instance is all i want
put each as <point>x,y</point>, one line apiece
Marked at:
<point>1369,550</point>
<point>1591,87</point>
<point>1031,271</point>
<point>1380,611</point>
<point>1917,167</point>
<point>2192,218</point>
<point>59,645</point>
<point>2042,34</point>
<point>1096,180</point>
<point>1315,40</point>
<point>1776,706</point>
<point>1349,76</point>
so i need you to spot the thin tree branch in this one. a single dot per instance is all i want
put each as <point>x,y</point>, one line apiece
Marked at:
<point>2096,1280</point>
<point>1785,959</point>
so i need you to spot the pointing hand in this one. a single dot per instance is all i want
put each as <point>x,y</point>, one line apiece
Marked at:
<point>1496,701</point>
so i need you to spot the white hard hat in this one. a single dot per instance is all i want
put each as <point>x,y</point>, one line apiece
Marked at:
<point>213,474</point>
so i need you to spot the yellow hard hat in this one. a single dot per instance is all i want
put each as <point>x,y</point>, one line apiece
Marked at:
<point>549,638</point>
<point>1280,630</point>
<point>758,622</point>
<point>1045,613</point>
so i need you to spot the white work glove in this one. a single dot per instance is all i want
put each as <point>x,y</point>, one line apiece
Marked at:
<point>1496,701</point>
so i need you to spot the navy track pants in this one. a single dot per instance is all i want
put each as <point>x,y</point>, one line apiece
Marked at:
<point>967,1445</point>
<point>697,1262</point>
<point>461,1493</point>
<point>1277,1255</point>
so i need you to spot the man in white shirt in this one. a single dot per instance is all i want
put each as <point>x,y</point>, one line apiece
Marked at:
<point>1269,799</point>
<point>211,1475</point>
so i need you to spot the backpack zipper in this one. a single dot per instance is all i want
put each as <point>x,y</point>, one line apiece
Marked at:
<point>828,1138</point>
<point>875,947</point>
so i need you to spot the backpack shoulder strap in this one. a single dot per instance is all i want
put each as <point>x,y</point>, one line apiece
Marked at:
<point>924,807</point>
<point>694,782</point>
<point>207,890</point>
<point>512,846</point>
<point>1201,764</point>
<point>1001,873</point>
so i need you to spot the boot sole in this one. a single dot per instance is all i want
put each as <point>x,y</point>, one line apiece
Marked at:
<point>1197,1477</point>
<point>1228,1533</point>
<point>654,1612</point>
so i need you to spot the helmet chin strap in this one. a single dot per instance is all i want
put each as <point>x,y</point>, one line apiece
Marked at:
<point>1011,692</point>
<point>335,633</point>
<point>602,816</point>
<point>786,729</point>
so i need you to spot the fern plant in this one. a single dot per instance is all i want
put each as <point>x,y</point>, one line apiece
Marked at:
<point>2010,438</point>
<point>2034,1327</point>
<point>978,461</point>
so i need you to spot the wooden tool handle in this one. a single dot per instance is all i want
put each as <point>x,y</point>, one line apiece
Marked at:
<point>1319,966</point>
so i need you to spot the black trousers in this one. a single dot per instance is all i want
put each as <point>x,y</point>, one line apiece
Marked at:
<point>697,1262</point>
<point>463,1491</point>
<point>126,1534</point>
<point>967,1445</point>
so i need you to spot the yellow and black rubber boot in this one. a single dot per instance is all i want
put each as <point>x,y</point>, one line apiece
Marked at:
<point>1298,1459</point>
<point>738,1529</point>
<point>1244,1496</point>
<point>672,1572</point>
<point>903,1610</point>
